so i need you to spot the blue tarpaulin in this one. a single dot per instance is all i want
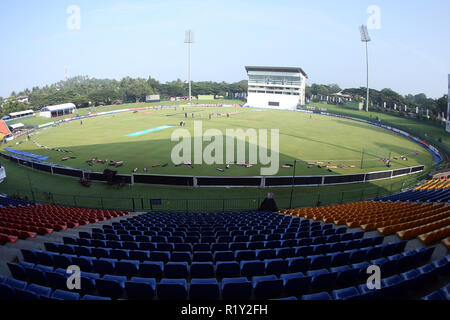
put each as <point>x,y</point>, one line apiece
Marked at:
<point>27,154</point>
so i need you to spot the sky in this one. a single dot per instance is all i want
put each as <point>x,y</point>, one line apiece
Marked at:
<point>409,51</point>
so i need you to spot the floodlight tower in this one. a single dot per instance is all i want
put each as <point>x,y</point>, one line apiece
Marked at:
<point>189,40</point>
<point>365,37</point>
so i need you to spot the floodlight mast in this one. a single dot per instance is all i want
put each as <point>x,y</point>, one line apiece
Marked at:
<point>365,37</point>
<point>189,40</point>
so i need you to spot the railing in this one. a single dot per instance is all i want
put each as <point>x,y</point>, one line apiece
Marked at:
<point>302,197</point>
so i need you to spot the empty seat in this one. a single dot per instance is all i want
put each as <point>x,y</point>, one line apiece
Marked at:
<point>322,279</point>
<point>151,269</point>
<point>104,266</point>
<point>236,289</point>
<point>267,287</point>
<point>227,269</point>
<point>299,264</point>
<point>176,270</point>
<point>223,256</point>
<point>127,267</point>
<point>241,255</point>
<point>276,266</point>
<point>345,294</point>
<point>178,256</point>
<point>252,268</point>
<point>140,288</point>
<point>204,289</point>
<point>65,295</point>
<point>295,283</point>
<point>172,289</point>
<point>111,286</point>
<point>317,296</point>
<point>202,256</point>
<point>202,270</point>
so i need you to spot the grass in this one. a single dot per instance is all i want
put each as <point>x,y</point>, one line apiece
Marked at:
<point>38,120</point>
<point>307,139</point>
<point>301,137</point>
<point>422,129</point>
<point>45,188</point>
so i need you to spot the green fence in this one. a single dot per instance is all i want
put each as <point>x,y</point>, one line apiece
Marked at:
<point>301,197</point>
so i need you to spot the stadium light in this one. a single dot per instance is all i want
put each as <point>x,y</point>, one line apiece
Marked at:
<point>189,39</point>
<point>365,37</point>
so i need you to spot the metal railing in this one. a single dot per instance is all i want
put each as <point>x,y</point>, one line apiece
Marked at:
<point>302,197</point>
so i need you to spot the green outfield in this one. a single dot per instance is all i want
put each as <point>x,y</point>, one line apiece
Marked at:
<point>345,145</point>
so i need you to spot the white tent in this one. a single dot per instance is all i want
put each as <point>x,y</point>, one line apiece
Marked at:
<point>17,126</point>
<point>57,110</point>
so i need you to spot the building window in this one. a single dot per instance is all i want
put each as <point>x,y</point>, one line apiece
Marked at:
<point>274,104</point>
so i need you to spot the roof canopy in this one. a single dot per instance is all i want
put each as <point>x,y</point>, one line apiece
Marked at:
<point>17,126</point>
<point>277,69</point>
<point>21,113</point>
<point>59,107</point>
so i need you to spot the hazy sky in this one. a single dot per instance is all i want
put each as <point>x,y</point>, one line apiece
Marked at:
<point>409,53</point>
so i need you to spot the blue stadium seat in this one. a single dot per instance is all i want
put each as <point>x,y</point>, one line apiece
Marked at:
<point>236,289</point>
<point>34,291</point>
<point>284,253</point>
<point>319,262</point>
<point>202,270</point>
<point>267,287</point>
<point>227,269</point>
<point>91,297</point>
<point>9,286</point>
<point>140,288</point>
<point>17,271</point>
<point>223,256</point>
<point>151,269</point>
<point>338,258</point>
<point>204,289</point>
<point>172,289</point>
<point>44,258</point>
<point>139,255</point>
<point>276,266</point>
<point>299,264</point>
<point>322,279</point>
<point>111,286</point>
<point>176,270</point>
<point>437,295</point>
<point>65,295</point>
<point>295,283</point>
<point>317,296</point>
<point>105,266</point>
<point>202,256</point>
<point>391,286</point>
<point>127,268</point>
<point>252,268</point>
<point>163,256</point>
<point>345,294</point>
<point>345,275</point>
<point>57,280</point>
<point>181,256</point>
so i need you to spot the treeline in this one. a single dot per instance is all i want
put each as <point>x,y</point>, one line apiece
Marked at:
<point>378,98</point>
<point>85,92</point>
